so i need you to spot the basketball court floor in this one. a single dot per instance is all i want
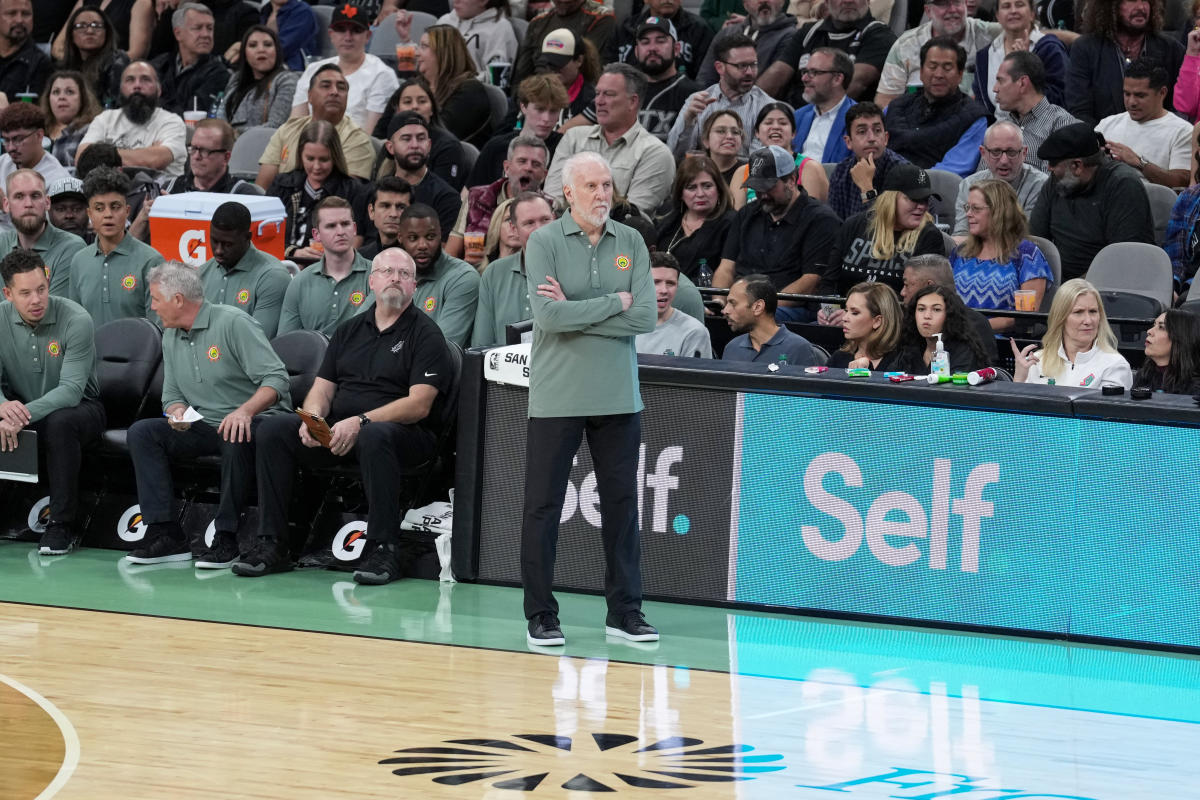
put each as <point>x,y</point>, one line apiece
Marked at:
<point>119,681</point>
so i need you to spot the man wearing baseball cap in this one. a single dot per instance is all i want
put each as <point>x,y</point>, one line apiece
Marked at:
<point>565,56</point>
<point>655,52</point>
<point>583,18</point>
<point>1090,200</point>
<point>785,234</point>
<point>68,207</point>
<point>688,30</point>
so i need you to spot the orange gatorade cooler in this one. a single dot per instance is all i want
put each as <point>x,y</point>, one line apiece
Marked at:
<point>179,224</point>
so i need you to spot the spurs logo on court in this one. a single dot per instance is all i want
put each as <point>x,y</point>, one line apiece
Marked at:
<point>349,541</point>
<point>607,762</point>
<point>131,527</point>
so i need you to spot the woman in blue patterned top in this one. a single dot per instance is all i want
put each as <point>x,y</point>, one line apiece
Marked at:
<point>996,259</point>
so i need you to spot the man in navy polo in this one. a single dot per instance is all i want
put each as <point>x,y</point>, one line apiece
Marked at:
<point>750,311</point>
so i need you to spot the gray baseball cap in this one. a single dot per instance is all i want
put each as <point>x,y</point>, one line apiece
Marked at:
<point>767,166</point>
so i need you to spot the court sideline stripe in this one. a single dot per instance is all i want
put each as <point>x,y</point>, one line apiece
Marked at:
<point>70,737</point>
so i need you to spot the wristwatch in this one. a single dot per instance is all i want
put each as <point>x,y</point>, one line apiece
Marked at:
<point>1142,163</point>
<point>869,195</point>
<point>363,419</point>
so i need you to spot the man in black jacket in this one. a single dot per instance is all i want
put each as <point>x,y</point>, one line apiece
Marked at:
<point>192,78</point>
<point>693,35</point>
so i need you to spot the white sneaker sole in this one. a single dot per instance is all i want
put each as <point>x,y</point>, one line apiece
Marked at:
<point>561,640</point>
<point>216,564</point>
<point>46,551</point>
<point>645,637</point>
<point>160,559</point>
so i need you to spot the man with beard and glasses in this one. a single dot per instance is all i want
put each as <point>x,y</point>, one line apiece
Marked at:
<point>26,203</point>
<point>591,294</point>
<point>766,24</point>
<point>379,388</point>
<point>524,171</point>
<point>849,28</point>
<point>902,69</point>
<point>23,67</point>
<point>408,143</point>
<point>750,311</point>
<point>785,235</point>
<point>447,287</point>
<point>239,274</point>
<point>585,19</point>
<point>737,68</point>
<point>68,208</point>
<point>1090,200</point>
<point>191,76</point>
<point>144,134</point>
<point>1118,33</point>
<point>691,36</point>
<point>655,52</point>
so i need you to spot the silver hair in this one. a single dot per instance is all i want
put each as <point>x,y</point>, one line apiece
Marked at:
<point>175,278</point>
<point>936,267</point>
<point>528,140</point>
<point>181,13</point>
<point>1002,125</point>
<point>571,167</point>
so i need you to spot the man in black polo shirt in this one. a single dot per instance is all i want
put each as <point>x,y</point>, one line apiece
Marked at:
<point>784,234</point>
<point>378,389</point>
<point>409,143</point>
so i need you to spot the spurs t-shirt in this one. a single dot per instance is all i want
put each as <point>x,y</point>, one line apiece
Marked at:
<point>851,261</point>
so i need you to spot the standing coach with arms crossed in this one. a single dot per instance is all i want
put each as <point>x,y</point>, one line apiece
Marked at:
<point>591,293</point>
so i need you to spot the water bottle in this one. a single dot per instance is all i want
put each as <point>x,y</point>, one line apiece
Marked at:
<point>705,275</point>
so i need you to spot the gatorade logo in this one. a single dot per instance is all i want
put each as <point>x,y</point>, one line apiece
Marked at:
<point>39,515</point>
<point>129,282</point>
<point>430,304</point>
<point>131,527</point>
<point>243,296</point>
<point>350,540</point>
<point>53,349</point>
<point>356,298</point>
<point>191,248</point>
<point>214,353</point>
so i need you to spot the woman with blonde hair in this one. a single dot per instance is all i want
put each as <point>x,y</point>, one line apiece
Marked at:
<point>996,259</point>
<point>872,324</point>
<point>502,238</point>
<point>445,63</point>
<point>1079,348</point>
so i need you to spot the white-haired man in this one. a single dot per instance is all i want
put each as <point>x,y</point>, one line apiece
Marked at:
<point>591,294</point>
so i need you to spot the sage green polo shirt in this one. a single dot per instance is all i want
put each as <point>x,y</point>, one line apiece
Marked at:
<point>218,364</point>
<point>503,300</point>
<point>448,293</point>
<point>51,365</point>
<point>315,301</point>
<point>56,247</point>
<point>583,361</point>
<point>256,285</point>
<point>114,286</point>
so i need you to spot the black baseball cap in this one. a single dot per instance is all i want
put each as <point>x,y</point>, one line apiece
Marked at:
<point>351,14</point>
<point>406,118</point>
<point>912,181</point>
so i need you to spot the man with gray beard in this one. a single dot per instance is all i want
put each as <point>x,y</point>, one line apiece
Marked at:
<point>1090,200</point>
<point>145,135</point>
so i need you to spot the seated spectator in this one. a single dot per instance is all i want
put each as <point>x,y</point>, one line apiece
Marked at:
<point>751,309</point>
<point>765,23</point>
<point>408,143</point>
<point>327,97</point>
<point>297,29</point>
<point>997,259</point>
<point>1187,84</point>
<point>501,239</point>
<point>524,171</point>
<point>132,39</point>
<point>701,212</point>
<point>583,19</point>
<point>208,161</point>
<point>939,127</point>
<point>231,18</point>
<point>322,173</point>
<point>1020,88</point>
<point>905,61</point>
<point>463,104</point>
<point>1021,33</point>
<point>68,212</point>
<point>1182,240</point>
<point>22,127</point>
<point>191,77</point>
<point>68,108</point>
<point>930,311</point>
<point>690,36</point>
<point>26,202</point>
<point>369,81</point>
<point>934,269</point>
<point>776,125</point>
<point>785,235</point>
<point>577,66</point>
<point>675,333</point>
<point>642,166</point>
<point>335,288</point>
<point>23,66</point>
<point>1091,202</point>
<point>871,324</point>
<point>1117,33</point>
<point>445,151</point>
<point>239,274</point>
<point>1003,153</point>
<point>90,45</point>
<point>723,139</point>
<point>145,135</point>
<point>485,28</point>
<point>821,122</point>
<point>504,288</point>
<point>260,91</point>
<point>1146,136</point>
<point>1172,362</point>
<point>386,201</point>
<point>447,287</point>
<point>540,101</point>
<point>1079,348</point>
<point>655,53</point>
<point>858,178</point>
<point>737,69</point>
<point>874,244</point>
<point>849,29</point>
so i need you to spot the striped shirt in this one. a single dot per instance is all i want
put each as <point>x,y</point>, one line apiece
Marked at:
<point>1041,121</point>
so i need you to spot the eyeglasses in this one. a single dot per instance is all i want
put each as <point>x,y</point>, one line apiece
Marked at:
<point>204,152</point>
<point>808,72</point>
<point>996,152</point>
<point>726,131</point>
<point>16,139</point>
<point>972,209</point>
<point>388,272</point>
<point>745,66</point>
<point>88,26</point>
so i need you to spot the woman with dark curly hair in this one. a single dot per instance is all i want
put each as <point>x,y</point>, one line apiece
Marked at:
<point>932,310</point>
<point>1172,362</point>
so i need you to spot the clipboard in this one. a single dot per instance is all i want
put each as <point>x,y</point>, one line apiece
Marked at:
<point>21,464</point>
<point>317,426</point>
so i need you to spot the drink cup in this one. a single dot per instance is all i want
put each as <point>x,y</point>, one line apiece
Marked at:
<point>1025,300</point>
<point>499,73</point>
<point>27,97</point>
<point>473,240</point>
<point>190,118</point>
<point>406,57</point>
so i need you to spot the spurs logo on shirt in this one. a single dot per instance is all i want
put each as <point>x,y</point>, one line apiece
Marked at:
<point>53,348</point>
<point>243,296</point>
<point>129,282</point>
<point>430,304</point>
<point>356,299</point>
<point>214,353</point>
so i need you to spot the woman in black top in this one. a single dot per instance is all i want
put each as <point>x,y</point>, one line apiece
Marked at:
<point>871,325</point>
<point>695,229</point>
<point>1172,362</point>
<point>443,61</point>
<point>445,152</point>
<point>92,47</point>
<point>932,310</point>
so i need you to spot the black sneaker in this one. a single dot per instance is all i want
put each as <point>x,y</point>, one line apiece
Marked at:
<point>265,558</point>
<point>631,625</point>
<point>221,555</point>
<point>58,540</point>
<point>381,566</point>
<point>164,542</point>
<point>544,630</point>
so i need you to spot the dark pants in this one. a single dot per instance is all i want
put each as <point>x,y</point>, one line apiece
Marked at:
<point>384,451</point>
<point>551,444</point>
<point>62,435</point>
<point>152,445</point>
